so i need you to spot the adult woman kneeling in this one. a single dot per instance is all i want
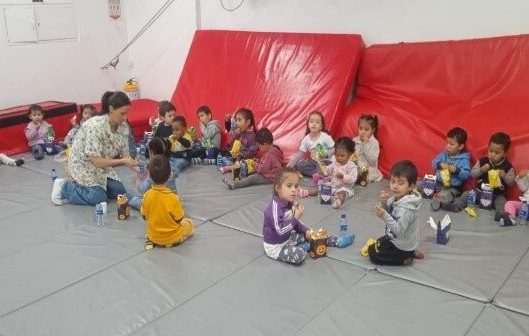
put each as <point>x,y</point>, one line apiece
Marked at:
<point>96,145</point>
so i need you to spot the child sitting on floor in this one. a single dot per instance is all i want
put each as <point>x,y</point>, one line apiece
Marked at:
<point>156,146</point>
<point>342,172</point>
<point>243,145</point>
<point>399,212</point>
<point>207,150</point>
<point>285,238</point>
<point>38,132</point>
<point>4,159</point>
<point>266,166</point>
<point>508,216</point>
<point>87,111</point>
<point>317,142</point>
<point>163,210</point>
<point>367,148</point>
<point>453,169</point>
<point>494,171</point>
<point>167,113</point>
<point>180,145</point>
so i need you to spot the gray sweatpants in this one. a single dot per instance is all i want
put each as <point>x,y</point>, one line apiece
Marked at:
<point>250,180</point>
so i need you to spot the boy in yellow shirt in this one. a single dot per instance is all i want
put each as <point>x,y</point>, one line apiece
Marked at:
<point>163,210</point>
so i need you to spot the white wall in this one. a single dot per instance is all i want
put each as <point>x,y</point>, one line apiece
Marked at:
<point>159,54</point>
<point>378,21</point>
<point>68,71</point>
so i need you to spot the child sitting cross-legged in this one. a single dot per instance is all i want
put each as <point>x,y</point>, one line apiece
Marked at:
<point>162,209</point>
<point>266,167</point>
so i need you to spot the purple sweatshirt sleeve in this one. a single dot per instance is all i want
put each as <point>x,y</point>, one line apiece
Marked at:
<point>248,145</point>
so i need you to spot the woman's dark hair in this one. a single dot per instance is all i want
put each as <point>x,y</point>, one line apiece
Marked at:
<point>159,146</point>
<point>372,120</point>
<point>35,108</point>
<point>345,143</point>
<point>205,109</point>
<point>247,115</point>
<point>281,175</point>
<point>323,129</point>
<point>118,99</point>
<point>104,102</point>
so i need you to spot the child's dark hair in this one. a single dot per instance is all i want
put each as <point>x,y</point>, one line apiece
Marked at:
<point>372,120</point>
<point>88,106</point>
<point>104,102</point>
<point>345,143</point>
<point>323,129</point>
<point>204,109</point>
<point>407,169</point>
<point>247,115</point>
<point>264,136</point>
<point>180,119</point>
<point>459,134</point>
<point>164,107</point>
<point>501,138</point>
<point>159,169</point>
<point>281,175</point>
<point>159,146</point>
<point>35,108</point>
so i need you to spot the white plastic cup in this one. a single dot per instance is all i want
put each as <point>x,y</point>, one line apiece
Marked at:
<point>104,206</point>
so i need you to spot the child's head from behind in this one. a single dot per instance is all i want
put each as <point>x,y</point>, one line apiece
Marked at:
<point>367,126</point>
<point>286,184</point>
<point>36,113</point>
<point>204,114</point>
<point>264,139</point>
<point>179,124</point>
<point>315,123</point>
<point>499,144</point>
<point>343,149</point>
<point>158,146</point>
<point>166,111</point>
<point>456,140</point>
<point>159,169</point>
<point>403,178</point>
<point>87,112</point>
<point>244,119</point>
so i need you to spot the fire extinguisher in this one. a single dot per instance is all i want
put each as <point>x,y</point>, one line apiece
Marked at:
<point>131,88</point>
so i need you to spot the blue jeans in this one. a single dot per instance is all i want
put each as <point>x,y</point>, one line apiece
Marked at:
<point>178,164</point>
<point>39,150</point>
<point>78,194</point>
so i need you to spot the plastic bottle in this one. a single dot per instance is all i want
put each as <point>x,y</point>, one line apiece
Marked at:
<point>219,160</point>
<point>53,174</point>
<point>471,198</point>
<point>343,227</point>
<point>99,214</point>
<point>233,125</point>
<point>244,169</point>
<point>522,213</point>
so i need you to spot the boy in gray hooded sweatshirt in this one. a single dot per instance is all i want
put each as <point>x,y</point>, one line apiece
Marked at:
<point>207,152</point>
<point>399,212</point>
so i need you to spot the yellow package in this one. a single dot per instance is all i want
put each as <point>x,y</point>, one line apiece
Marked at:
<point>445,177</point>
<point>235,148</point>
<point>494,178</point>
<point>250,163</point>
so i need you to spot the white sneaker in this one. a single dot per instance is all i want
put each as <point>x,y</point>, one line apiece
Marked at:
<point>57,191</point>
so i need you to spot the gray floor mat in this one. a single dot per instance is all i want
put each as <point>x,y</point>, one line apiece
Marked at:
<point>286,298</point>
<point>478,249</point>
<point>383,305</point>
<point>132,293</point>
<point>495,321</point>
<point>514,294</point>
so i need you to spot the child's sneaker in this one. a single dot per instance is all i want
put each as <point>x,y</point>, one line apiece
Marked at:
<point>196,160</point>
<point>302,193</point>
<point>436,204</point>
<point>229,184</point>
<point>19,162</point>
<point>148,244</point>
<point>305,246</point>
<point>344,241</point>
<point>225,169</point>
<point>336,203</point>
<point>56,192</point>
<point>507,221</point>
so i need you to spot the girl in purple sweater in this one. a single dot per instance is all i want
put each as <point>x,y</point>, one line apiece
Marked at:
<point>285,237</point>
<point>243,145</point>
<point>266,166</point>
